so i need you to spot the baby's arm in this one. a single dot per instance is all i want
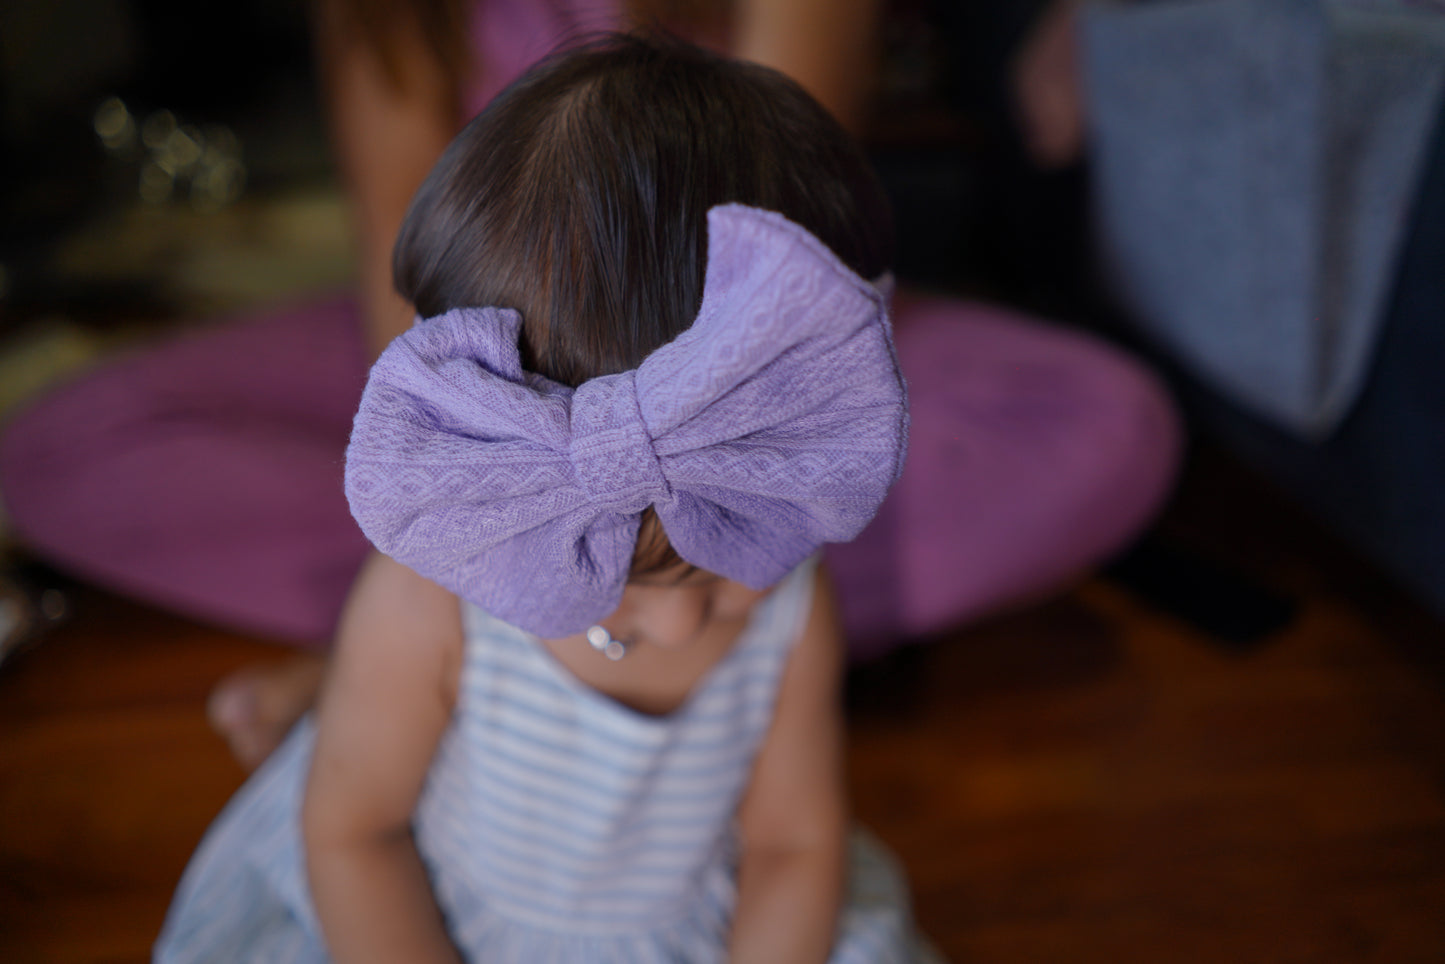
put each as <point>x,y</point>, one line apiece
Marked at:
<point>384,706</point>
<point>794,816</point>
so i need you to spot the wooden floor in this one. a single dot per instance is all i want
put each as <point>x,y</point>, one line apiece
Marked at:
<point>1087,780</point>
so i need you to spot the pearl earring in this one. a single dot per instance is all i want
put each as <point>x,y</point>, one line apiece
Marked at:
<point>602,641</point>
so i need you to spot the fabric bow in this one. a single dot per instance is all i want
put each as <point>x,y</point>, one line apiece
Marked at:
<point>777,422</point>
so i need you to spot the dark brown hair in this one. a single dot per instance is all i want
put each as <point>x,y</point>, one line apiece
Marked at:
<point>579,197</point>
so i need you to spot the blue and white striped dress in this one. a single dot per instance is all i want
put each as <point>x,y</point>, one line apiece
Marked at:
<point>557,825</point>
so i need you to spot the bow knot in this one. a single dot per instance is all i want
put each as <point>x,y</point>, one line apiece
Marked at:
<point>611,448</point>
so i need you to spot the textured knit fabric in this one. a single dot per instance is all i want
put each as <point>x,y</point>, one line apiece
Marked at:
<point>773,424</point>
<point>556,824</point>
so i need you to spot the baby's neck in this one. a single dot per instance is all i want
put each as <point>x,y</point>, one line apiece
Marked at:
<point>651,680</point>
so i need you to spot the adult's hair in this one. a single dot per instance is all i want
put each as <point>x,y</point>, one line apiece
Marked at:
<point>579,197</point>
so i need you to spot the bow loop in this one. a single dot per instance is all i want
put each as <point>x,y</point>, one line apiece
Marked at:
<point>612,451</point>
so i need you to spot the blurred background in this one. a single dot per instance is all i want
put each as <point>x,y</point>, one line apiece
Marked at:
<point>1226,743</point>
<point>161,160</point>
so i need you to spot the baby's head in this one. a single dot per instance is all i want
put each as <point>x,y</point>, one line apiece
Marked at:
<point>579,197</point>
<point>563,242</point>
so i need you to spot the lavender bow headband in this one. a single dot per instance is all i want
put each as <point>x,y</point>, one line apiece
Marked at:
<point>774,424</point>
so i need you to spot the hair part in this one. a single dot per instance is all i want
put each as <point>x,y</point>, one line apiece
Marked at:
<point>579,197</point>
